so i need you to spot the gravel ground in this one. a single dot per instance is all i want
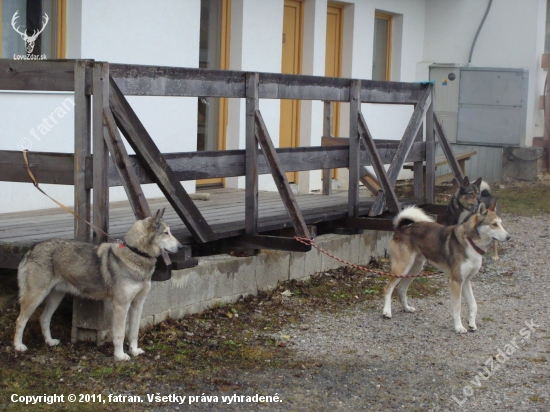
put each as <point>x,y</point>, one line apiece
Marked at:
<point>354,359</point>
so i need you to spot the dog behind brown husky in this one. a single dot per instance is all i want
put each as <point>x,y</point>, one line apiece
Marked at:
<point>457,250</point>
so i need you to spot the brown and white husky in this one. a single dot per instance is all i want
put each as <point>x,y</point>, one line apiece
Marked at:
<point>456,250</point>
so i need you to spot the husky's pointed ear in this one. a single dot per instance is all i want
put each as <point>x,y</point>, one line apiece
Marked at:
<point>159,215</point>
<point>482,210</point>
<point>492,207</point>
<point>465,182</point>
<point>478,182</point>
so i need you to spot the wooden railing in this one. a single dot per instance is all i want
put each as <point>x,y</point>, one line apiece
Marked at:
<point>110,112</point>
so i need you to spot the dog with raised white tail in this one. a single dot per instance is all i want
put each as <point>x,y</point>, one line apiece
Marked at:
<point>456,250</point>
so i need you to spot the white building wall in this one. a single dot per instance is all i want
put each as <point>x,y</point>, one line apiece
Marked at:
<point>125,31</point>
<point>512,37</point>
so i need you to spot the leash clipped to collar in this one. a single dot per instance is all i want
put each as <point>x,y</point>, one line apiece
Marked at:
<point>476,248</point>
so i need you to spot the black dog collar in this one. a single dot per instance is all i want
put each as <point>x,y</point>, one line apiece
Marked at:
<point>135,250</point>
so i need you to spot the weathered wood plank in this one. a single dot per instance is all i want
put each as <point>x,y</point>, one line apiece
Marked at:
<point>354,147</point>
<point>178,81</point>
<point>430,152</point>
<point>48,75</point>
<point>58,168</point>
<point>152,159</point>
<point>448,151</point>
<point>251,155</point>
<point>51,168</point>
<point>327,131</point>
<point>124,167</point>
<point>280,178</point>
<point>269,242</point>
<point>387,186</point>
<point>418,171</point>
<point>101,154</point>
<point>404,146</point>
<point>82,150</point>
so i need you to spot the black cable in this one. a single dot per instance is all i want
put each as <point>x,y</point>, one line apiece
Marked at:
<point>478,30</point>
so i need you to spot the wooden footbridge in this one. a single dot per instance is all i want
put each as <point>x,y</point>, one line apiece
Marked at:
<point>247,219</point>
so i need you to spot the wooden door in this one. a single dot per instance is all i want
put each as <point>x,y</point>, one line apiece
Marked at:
<point>289,135</point>
<point>333,60</point>
<point>214,54</point>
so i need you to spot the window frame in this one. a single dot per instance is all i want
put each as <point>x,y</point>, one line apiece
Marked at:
<point>389,18</point>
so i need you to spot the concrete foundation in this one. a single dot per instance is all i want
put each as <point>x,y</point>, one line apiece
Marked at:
<point>224,279</point>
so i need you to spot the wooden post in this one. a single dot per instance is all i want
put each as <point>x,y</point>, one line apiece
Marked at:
<point>327,131</point>
<point>100,154</point>
<point>251,182</point>
<point>82,149</point>
<point>418,170</point>
<point>430,153</point>
<point>354,147</point>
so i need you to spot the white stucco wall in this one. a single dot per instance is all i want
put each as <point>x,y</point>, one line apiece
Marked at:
<point>512,37</point>
<point>125,31</point>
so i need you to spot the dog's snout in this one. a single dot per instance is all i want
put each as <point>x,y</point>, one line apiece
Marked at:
<point>180,246</point>
<point>508,237</point>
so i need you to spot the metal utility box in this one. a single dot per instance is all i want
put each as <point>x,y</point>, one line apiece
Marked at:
<point>481,106</point>
<point>446,78</point>
<point>492,106</point>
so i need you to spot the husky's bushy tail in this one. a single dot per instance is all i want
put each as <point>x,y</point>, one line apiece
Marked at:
<point>410,215</point>
<point>485,189</point>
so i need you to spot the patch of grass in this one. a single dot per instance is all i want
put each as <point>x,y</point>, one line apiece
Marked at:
<point>487,319</point>
<point>527,199</point>
<point>535,398</point>
<point>542,359</point>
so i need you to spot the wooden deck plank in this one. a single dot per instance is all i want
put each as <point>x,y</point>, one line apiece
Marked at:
<point>225,221</point>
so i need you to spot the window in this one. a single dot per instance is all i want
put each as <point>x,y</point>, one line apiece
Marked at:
<point>20,19</point>
<point>381,59</point>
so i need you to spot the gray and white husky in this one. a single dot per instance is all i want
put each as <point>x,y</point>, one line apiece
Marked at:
<point>456,250</point>
<point>111,271</point>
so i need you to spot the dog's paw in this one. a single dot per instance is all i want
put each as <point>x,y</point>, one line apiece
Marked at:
<point>473,328</point>
<point>409,309</point>
<point>53,342</point>
<point>136,352</point>
<point>19,347</point>
<point>460,329</point>
<point>386,314</point>
<point>122,357</point>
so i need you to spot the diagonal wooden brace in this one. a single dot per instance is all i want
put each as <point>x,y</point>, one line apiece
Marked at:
<point>280,177</point>
<point>124,167</point>
<point>451,159</point>
<point>404,147</point>
<point>387,187</point>
<point>155,163</point>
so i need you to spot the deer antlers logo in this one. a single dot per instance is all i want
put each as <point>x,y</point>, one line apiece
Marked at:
<point>29,39</point>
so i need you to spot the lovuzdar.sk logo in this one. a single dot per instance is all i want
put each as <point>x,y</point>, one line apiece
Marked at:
<point>29,40</point>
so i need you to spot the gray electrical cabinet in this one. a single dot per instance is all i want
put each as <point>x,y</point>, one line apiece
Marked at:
<point>492,106</point>
<point>481,106</point>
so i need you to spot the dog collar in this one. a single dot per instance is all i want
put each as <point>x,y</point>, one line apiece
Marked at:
<point>135,250</point>
<point>477,249</point>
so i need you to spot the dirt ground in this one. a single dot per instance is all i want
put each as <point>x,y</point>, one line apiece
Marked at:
<point>321,344</point>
